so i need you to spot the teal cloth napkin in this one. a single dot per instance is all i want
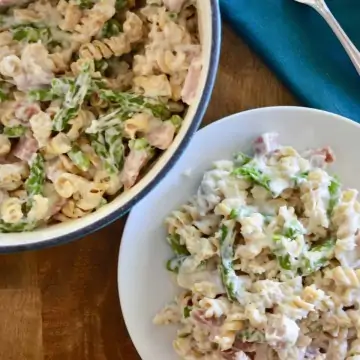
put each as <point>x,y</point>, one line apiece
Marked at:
<point>301,49</point>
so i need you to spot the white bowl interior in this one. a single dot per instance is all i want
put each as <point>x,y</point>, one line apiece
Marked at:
<point>144,284</point>
<point>58,230</point>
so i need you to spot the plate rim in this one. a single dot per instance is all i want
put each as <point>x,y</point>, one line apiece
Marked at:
<point>98,224</point>
<point>201,131</point>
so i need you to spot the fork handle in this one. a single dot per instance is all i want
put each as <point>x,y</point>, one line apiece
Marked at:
<point>348,45</point>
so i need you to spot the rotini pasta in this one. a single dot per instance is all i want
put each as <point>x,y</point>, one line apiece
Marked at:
<point>91,92</point>
<point>267,251</point>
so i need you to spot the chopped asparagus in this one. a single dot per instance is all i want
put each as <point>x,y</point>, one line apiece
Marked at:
<point>115,146</point>
<point>293,229</point>
<point>233,214</point>
<point>318,256</point>
<point>187,311</point>
<point>133,103</point>
<point>240,159</point>
<point>228,275</point>
<point>35,182</point>
<point>98,144</point>
<point>79,158</point>
<point>31,34</point>
<point>3,95</point>
<point>18,227</point>
<point>85,4</point>
<point>334,192</point>
<point>177,248</point>
<point>111,28</point>
<point>251,335</point>
<point>253,174</point>
<point>106,121</point>
<point>176,121</point>
<point>73,99</point>
<point>299,178</point>
<point>14,131</point>
<point>174,263</point>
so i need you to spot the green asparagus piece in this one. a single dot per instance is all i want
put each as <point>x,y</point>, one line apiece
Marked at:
<point>35,182</point>
<point>285,262</point>
<point>293,229</point>
<point>174,263</point>
<point>187,311</point>
<point>177,248</point>
<point>253,174</point>
<point>318,256</point>
<point>3,95</point>
<point>227,271</point>
<point>120,4</point>
<point>111,28</point>
<point>136,103</point>
<point>41,95</point>
<point>14,131</point>
<point>138,144</point>
<point>18,227</point>
<point>79,158</point>
<point>73,99</point>
<point>106,121</point>
<point>299,178</point>
<point>101,65</point>
<point>233,214</point>
<point>334,192</point>
<point>85,4</point>
<point>115,146</point>
<point>31,34</point>
<point>99,145</point>
<point>59,88</point>
<point>177,121</point>
<point>241,159</point>
<point>251,335</point>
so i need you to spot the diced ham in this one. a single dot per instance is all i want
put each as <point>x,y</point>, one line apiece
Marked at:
<point>24,110</point>
<point>36,68</point>
<point>262,352</point>
<point>53,169</point>
<point>26,148</point>
<point>266,143</point>
<point>174,5</point>
<point>199,316</point>
<point>188,91</point>
<point>134,162</point>
<point>57,206</point>
<point>320,157</point>
<point>161,136</point>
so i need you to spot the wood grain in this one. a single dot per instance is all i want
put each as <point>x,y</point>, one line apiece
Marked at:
<point>62,303</point>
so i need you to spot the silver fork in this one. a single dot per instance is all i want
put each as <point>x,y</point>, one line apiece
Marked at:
<point>321,7</point>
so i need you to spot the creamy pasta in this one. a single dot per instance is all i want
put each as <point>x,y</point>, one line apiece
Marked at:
<point>92,92</point>
<point>267,253</point>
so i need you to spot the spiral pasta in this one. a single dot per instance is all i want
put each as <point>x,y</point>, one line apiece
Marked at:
<point>271,274</point>
<point>90,93</point>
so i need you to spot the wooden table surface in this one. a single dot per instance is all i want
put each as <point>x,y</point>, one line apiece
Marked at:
<point>62,303</point>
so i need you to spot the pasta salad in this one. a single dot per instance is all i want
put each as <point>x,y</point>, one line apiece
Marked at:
<point>92,92</point>
<point>268,256</point>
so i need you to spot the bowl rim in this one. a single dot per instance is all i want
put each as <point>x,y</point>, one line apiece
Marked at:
<point>195,123</point>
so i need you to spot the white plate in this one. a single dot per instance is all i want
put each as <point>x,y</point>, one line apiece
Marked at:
<point>144,284</point>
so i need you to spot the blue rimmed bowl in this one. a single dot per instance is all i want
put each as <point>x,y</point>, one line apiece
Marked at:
<point>210,33</point>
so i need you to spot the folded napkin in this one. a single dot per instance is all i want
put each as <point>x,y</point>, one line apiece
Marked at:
<point>301,49</point>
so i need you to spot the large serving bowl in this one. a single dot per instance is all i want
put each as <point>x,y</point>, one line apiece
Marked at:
<point>209,28</point>
<point>145,285</point>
